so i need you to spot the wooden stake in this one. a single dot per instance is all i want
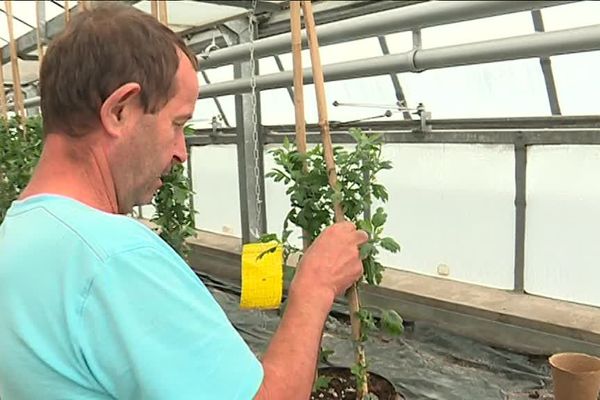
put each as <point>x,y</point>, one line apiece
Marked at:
<point>162,12</point>
<point>154,8</point>
<point>3,105</point>
<point>19,107</point>
<point>296,28</point>
<point>67,12</point>
<point>352,293</point>
<point>40,46</point>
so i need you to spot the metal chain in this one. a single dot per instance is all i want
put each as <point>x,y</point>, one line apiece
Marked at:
<point>251,22</point>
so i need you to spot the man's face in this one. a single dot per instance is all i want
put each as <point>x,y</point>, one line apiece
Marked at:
<point>156,143</point>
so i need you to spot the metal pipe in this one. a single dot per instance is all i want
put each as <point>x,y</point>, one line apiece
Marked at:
<point>412,17</point>
<point>526,46</point>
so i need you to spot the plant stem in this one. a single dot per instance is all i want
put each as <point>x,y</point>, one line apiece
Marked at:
<point>352,293</point>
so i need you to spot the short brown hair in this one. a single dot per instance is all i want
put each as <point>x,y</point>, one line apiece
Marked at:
<point>100,50</point>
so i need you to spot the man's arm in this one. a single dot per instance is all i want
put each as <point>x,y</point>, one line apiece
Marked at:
<point>328,268</point>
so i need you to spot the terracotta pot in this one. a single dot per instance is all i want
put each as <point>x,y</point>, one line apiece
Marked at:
<point>576,376</point>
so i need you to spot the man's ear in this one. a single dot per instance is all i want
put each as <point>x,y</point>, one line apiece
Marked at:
<point>120,107</point>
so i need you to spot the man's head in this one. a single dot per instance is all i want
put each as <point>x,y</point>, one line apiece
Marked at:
<point>125,83</point>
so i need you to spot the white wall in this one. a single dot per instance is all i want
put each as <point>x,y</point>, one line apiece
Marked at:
<point>562,257</point>
<point>215,182</point>
<point>449,204</point>
<point>453,205</point>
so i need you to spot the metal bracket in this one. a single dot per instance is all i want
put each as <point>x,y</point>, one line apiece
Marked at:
<point>425,116</point>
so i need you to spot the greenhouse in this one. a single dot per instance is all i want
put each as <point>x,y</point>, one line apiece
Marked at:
<point>461,138</point>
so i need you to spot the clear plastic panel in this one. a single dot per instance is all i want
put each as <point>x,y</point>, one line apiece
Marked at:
<point>572,15</point>
<point>563,223</point>
<point>577,83</point>
<point>503,89</point>
<point>215,183</point>
<point>478,30</point>
<point>451,209</point>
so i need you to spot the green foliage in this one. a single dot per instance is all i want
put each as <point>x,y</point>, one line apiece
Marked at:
<point>361,373</point>
<point>322,382</point>
<point>174,215</point>
<point>311,208</point>
<point>324,355</point>
<point>392,322</point>
<point>20,149</point>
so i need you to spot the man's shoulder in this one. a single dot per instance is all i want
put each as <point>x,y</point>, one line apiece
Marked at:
<point>104,234</point>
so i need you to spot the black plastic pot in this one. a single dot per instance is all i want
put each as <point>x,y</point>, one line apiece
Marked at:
<point>379,385</point>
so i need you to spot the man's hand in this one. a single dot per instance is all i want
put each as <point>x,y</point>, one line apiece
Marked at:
<point>332,263</point>
<point>329,267</point>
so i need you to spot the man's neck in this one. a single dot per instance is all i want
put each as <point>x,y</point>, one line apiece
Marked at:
<point>74,168</point>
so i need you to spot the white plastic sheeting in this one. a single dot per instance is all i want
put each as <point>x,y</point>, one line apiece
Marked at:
<point>450,206</point>
<point>562,255</point>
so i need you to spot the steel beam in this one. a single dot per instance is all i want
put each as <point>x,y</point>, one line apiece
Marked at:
<point>251,181</point>
<point>281,69</point>
<point>260,5</point>
<point>217,102</point>
<point>430,13</point>
<point>546,65</point>
<point>520,47</point>
<point>28,42</point>
<point>520,211</point>
<point>395,81</point>
<point>512,137</point>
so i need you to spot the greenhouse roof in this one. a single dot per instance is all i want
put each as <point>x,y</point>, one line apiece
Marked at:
<point>562,83</point>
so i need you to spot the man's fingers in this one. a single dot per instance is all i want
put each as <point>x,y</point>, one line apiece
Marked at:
<point>361,237</point>
<point>346,226</point>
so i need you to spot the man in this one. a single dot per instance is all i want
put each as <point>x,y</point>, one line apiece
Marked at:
<point>93,304</point>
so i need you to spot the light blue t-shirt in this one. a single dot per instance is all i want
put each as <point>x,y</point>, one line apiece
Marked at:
<point>96,306</point>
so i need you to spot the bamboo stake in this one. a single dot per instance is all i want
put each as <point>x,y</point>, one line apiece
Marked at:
<point>154,8</point>
<point>352,293</point>
<point>19,107</point>
<point>67,12</point>
<point>3,106</point>
<point>296,28</point>
<point>40,46</point>
<point>162,12</point>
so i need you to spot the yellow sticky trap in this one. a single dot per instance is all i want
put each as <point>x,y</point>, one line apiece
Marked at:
<point>262,277</point>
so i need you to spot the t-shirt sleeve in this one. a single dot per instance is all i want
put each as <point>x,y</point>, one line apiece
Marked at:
<point>151,330</point>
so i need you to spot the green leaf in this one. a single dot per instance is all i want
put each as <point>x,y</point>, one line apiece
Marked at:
<point>366,250</point>
<point>324,355</point>
<point>188,130</point>
<point>365,225</point>
<point>379,218</point>
<point>321,383</point>
<point>390,244</point>
<point>392,323</point>
<point>180,195</point>
<point>367,322</point>
<point>268,237</point>
<point>379,192</point>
